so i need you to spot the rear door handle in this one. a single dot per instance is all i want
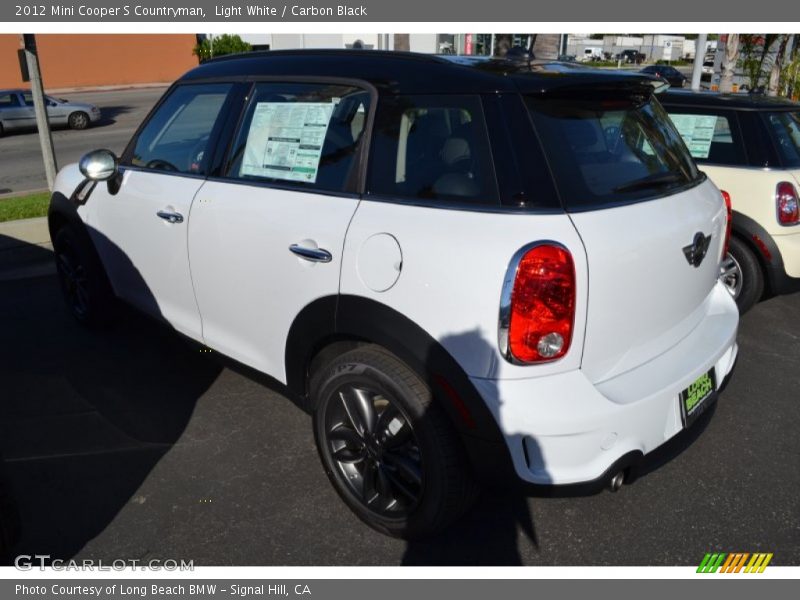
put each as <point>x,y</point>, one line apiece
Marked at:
<point>171,216</point>
<point>312,254</point>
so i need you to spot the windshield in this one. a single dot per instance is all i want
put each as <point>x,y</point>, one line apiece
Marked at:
<point>785,130</point>
<point>611,151</point>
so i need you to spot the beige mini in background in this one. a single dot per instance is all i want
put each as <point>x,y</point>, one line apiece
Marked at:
<point>749,145</point>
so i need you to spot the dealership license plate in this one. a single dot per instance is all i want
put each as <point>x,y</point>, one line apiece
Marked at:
<point>697,397</point>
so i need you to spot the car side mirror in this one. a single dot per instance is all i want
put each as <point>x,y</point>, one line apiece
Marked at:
<point>99,165</point>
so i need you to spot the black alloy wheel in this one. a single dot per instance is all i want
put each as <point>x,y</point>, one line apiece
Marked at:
<point>374,448</point>
<point>386,445</point>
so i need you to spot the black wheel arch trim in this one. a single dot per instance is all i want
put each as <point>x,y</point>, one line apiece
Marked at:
<point>64,211</point>
<point>778,281</point>
<point>354,318</point>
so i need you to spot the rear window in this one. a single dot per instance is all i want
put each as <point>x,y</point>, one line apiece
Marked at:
<point>611,151</point>
<point>785,130</point>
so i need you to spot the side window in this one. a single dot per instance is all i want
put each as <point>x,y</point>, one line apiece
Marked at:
<point>176,137</point>
<point>301,134</point>
<point>9,101</point>
<point>432,147</point>
<point>27,97</point>
<point>711,138</point>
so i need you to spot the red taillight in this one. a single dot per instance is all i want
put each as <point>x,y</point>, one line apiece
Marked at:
<point>542,305</point>
<point>729,224</point>
<point>786,202</point>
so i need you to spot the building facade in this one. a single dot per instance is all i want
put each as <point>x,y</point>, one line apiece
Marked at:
<point>96,60</point>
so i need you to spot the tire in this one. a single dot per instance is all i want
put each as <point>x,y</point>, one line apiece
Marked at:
<point>79,120</point>
<point>2,131</point>
<point>84,285</point>
<point>406,475</point>
<point>742,275</point>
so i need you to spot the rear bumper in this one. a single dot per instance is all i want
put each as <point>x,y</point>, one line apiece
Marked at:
<point>564,429</point>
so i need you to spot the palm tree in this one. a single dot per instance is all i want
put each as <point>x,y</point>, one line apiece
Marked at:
<point>777,67</point>
<point>729,62</point>
<point>402,42</point>
<point>546,45</point>
<point>502,43</point>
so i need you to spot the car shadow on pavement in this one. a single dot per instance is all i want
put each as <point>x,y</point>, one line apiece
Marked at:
<point>109,114</point>
<point>501,522</point>
<point>491,532</point>
<point>22,259</point>
<point>85,415</point>
<point>9,517</point>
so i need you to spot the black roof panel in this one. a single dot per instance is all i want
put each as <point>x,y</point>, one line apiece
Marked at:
<point>407,72</point>
<point>731,101</point>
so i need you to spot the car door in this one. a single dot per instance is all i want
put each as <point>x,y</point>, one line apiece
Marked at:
<point>13,113</point>
<point>266,237</point>
<point>28,111</point>
<point>57,111</point>
<point>141,230</point>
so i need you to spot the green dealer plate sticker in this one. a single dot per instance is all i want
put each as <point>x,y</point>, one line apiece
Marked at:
<point>697,397</point>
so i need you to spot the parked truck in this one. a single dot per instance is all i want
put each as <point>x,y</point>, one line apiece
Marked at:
<point>631,57</point>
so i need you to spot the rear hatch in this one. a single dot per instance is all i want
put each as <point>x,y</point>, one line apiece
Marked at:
<point>652,225</point>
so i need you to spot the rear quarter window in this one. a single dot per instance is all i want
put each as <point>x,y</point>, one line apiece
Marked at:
<point>784,127</point>
<point>432,148</point>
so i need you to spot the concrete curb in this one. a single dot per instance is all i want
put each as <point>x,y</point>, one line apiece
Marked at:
<point>17,194</point>
<point>25,249</point>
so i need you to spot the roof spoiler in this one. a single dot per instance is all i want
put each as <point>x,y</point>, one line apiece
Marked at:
<point>638,90</point>
<point>616,86</point>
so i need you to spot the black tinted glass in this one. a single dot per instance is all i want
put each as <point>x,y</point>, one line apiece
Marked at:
<point>785,130</point>
<point>711,138</point>
<point>301,134</point>
<point>176,137</point>
<point>432,147</point>
<point>611,150</point>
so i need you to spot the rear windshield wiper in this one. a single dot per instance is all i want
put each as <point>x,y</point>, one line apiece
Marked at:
<point>655,180</point>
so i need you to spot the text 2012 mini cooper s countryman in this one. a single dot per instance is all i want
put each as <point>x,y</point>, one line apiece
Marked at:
<point>458,264</point>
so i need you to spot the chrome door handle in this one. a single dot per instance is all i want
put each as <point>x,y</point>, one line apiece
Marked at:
<point>312,254</point>
<point>171,216</point>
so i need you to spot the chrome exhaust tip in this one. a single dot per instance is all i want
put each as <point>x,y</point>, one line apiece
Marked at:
<point>616,481</point>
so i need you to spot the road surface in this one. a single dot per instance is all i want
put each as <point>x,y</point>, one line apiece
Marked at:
<point>21,168</point>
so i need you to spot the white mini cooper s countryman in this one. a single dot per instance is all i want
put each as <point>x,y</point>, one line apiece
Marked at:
<point>459,265</point>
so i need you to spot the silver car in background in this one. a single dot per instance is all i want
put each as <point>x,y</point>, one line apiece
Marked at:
<point>16,111</point>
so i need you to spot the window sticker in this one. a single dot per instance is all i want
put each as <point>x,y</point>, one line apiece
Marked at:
<point>697,131</point>
<point>285,140</point>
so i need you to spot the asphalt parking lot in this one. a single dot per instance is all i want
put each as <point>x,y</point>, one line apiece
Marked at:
<point>122,111</point>
<point>129,443</point>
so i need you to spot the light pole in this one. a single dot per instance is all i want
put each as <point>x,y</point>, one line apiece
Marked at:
<point>40,109</point>
<point>699,57</point>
